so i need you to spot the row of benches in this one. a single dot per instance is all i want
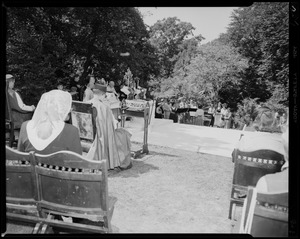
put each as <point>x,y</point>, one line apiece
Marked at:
<point>42,188</point>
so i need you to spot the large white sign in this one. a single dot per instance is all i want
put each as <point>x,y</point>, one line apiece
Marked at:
<point>136,104</point>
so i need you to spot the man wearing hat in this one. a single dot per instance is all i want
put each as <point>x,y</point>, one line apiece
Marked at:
<point>111,143</point>
<point>20,111</point>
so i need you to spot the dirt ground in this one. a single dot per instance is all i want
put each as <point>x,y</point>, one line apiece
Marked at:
<point>170,191</point>
<point>173,191</point>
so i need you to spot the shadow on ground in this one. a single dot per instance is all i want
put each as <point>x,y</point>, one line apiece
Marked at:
<point>138,168</point>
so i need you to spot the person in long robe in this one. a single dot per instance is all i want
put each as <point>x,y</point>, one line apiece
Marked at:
<point>111,143</point>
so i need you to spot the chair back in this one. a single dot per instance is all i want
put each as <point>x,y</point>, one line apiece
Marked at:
<point>70,185</point>
<point>83,116</point>
<point>250,166</point>
<point>21,185</point>
<point>270,217</point>
<point>265,215</point>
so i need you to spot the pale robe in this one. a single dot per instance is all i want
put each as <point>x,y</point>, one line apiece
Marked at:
<point>111,144</point>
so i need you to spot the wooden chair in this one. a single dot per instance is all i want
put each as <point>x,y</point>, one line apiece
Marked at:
<point>265,215</point>
<point>83,116</point>
<point>192,116</point>
<point>207,119</point>
<point>21,187</point>
<point>71,186</point>
<point>248,168</point>
<point>134,112</point>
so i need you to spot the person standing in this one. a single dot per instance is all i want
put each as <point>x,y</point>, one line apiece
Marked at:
<point>228,118</point>
<point>167,109</point>
<point>212,111</point>
<point>88,93</point>
<point>20,111</point>
<point>110,143</point>
<point>223,113</point>
<point>199,116</point>
<point>219,107</point>
<point>174,114</point>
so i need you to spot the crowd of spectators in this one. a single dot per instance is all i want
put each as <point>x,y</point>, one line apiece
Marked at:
<point>219,114</point>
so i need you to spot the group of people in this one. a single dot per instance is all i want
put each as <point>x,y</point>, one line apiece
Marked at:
<point>48,130</point>
<point>220,114</point>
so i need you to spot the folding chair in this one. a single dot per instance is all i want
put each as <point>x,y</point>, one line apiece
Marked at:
<point>248,168</point>
<point>265,215</point>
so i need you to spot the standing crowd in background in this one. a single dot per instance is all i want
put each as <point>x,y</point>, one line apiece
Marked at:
<point>221,115</point>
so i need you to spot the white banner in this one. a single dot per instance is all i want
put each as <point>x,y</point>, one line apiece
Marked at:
<point>136,104</point>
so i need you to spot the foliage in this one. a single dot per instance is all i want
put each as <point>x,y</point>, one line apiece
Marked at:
<point>247,110</point>
<point>213,67</point>
<point>260,33</point>
<point>167,36</point>
<point>47,45</point>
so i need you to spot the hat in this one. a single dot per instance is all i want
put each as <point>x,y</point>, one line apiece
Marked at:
<point>100,87</point>
<point>9,76</point>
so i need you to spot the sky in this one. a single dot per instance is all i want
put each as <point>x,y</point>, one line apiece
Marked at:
<point>208,21</point>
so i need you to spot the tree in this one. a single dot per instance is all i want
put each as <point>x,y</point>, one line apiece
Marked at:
<point>167,36</point>
<point>260,33</point>
<point>210,71</point>
<point>46,45</point>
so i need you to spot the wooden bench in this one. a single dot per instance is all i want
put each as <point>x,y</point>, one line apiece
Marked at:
<point>128,108</point>
<point>21,187</point>
<point>55,185</point>
<point>70,185</point>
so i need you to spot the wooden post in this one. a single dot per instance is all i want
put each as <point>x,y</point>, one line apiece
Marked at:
<point>146,119</point>
<point>123,113</point>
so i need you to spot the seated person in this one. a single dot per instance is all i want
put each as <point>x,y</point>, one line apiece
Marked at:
<point>265,121</point>
<point>20,111</point>
<point>111,89</point>
<point>88,93</point>
<point>47,132</point>
<point>277,182</point>
<point>74,93</point>
<point>253,141</point>
<point>110,143</point>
